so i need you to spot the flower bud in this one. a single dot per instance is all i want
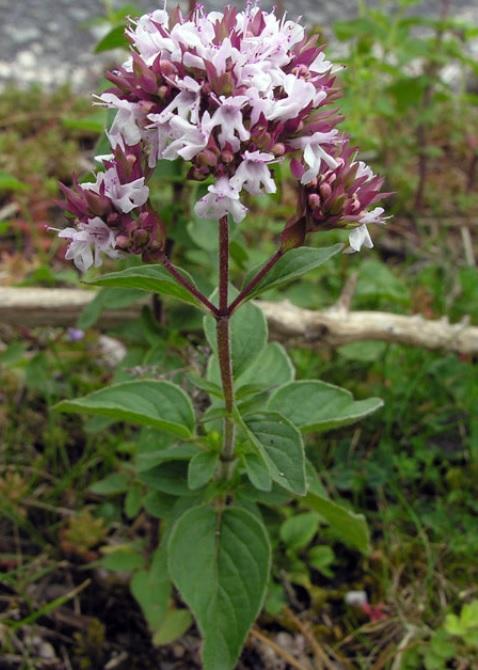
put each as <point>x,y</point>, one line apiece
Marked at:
<point>140,237</point>
<point>227,156</point>
<point>122,242</point>
<point>278,149</point>
<point>325,190</point>
<point>314,201</point>
<point>207,157</point>
<point>168,69</point>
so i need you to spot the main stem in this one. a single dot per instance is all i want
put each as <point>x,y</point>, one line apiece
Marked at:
<point>224,352</point>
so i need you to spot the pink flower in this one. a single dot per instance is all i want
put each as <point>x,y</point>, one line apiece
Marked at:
<point>230,121</point>
<point>125,125</point>
<point>254,175</point>
<point>314,153</point>
<point>124,197</point>
<point>88,242</point>
<point>221,200</point>
<point>300,94</point>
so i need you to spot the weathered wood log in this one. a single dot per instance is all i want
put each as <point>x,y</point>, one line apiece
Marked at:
<point>333,327</point>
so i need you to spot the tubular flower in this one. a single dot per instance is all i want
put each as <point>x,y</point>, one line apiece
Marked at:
<point>232,93</point>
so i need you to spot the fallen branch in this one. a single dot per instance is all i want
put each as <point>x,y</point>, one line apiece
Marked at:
<point>31,307</point>
<point>336,327</point>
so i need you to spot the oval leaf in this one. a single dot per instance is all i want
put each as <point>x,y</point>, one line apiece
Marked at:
<point>201,469</point>
<point>349,527</point>
<point>148,403</point>
<point>293,264</point>
<point>280,444</point>
<point>257,471</point>
<point>223,580</point>
<point>271,369</point>
<point>317,406</point>
<point>151,278</point>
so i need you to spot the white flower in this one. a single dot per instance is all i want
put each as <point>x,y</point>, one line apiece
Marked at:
<point>148,40</point>
<point>229,117</point>
<point>253,173</point>
<point>125,124</point>
<point>88,242</point>
<point>321,65</point>
<point>374,216</point>
<point>300,94</point>
<point>124,196</point>
<point>189,139</point>
<point>364,170</point>
<point>221,200</point>
<point>359,237</point>
<point>314,153</point>
<point>186,103</point>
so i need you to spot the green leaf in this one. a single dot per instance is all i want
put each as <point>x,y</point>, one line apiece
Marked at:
<point>115,39</point>
<point>314,406</point>
<point>321,558</point>
<point>13,354</point>
<point>123,559</point>
<point>151,278</point>
<point>133,501</point>
<point>299,530</point>
<point>257,471</point>
<point>10,183</point>
<point>152,589</point>
<point>168,478</point>
<point>111,485</point>
<point>223,581</point>
<point>158,404</point>
<point>107,298</point>
<point>94,123</point>
<point>174,625</point>
<point>201,469</point>
<point>159,504</point>
<point>365,351</point>
<point>248,329</point>
<point>280,444</point>
<point>347,526</point>
<point>178,452</point>
<point>272,368</point>
<point>291,266</point>
<point>377,281</point>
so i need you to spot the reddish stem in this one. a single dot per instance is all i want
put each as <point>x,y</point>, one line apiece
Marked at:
<point>223,350</point>
<point>174,272</point>
<point>247,290</point>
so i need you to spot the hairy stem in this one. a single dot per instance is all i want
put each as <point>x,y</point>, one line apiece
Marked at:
<point>224,351</point>
<point>256,280</point>
<point>174,272</point>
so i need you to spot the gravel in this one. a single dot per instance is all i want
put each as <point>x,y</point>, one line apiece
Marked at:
<point>51,42</point>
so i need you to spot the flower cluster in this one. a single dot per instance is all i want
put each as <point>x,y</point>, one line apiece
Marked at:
<point>232,93</point>
<point>341,195</point>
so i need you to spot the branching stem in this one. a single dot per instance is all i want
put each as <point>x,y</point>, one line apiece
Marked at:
<point>247,290</point>
<point>189,286</point>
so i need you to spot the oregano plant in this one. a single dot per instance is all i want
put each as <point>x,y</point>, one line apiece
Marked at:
<point>231,95</point>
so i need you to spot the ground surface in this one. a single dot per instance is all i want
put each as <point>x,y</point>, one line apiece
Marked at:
<point>50,41</point>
